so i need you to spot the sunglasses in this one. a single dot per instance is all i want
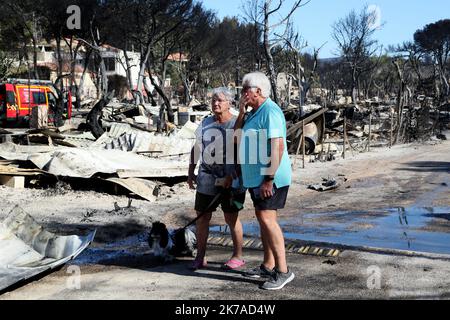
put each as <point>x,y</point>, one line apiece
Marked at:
<point>245,88</point>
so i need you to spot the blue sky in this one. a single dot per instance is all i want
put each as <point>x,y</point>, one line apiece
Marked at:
<point>401,18</point>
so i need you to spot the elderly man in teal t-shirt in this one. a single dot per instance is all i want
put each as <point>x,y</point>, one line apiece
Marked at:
<point>266,172</point>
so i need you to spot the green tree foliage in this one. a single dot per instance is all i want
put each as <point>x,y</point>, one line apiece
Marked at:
<point>434,39</point>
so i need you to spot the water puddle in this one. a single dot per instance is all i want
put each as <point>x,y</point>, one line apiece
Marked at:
<point>416,228</point>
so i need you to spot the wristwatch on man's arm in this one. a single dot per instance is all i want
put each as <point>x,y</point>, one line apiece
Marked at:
<point>269,178</point>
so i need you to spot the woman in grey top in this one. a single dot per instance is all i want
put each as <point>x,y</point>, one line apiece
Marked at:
<point>217,180</point>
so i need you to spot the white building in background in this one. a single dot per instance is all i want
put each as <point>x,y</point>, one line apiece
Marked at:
<point>114,59</point>
<point>115,62</point>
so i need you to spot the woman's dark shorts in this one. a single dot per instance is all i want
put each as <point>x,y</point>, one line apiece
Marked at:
<point>227,202</point>
<point>277,201</point>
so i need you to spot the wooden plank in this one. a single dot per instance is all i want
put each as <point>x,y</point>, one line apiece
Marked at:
<point>307,120</point>
<point>13,171</point>
<point>6,162</point>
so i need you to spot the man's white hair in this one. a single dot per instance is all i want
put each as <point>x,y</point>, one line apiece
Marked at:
<point>223,91</point>
<point>259,80</point>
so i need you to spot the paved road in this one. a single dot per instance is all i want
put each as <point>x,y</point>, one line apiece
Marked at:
<point>351,275</point>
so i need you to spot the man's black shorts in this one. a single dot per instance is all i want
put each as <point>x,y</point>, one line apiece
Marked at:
<point>227,201</point>
<point>277,201</point>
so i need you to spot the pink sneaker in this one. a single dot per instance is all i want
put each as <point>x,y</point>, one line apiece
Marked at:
<point>233,264</point>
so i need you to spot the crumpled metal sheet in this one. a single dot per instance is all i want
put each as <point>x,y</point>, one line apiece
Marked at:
<point>27,249</point>
<point>141,187</point>
<point>11,151</point>
<point>84,163</point>
<point>83,140</point>
<point>187,131</point>
<point>170,145</point>
<point>121,136</point>
<point>39,155</point>
<point>118,128</point>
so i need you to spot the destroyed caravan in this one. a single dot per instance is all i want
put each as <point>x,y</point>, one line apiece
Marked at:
<point>19,96</point>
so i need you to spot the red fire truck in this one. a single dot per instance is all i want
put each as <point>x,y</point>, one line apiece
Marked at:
<point>19,96</point>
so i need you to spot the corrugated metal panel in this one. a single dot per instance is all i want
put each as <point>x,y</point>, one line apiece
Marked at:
<point>27,249</point>
<point>119,128</point>
<point>124,137</point>
<point>84,163</point>
<point>126,142</point>
<point>82,140</point>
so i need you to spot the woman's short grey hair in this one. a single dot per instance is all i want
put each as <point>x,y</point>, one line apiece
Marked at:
<point>223,91</point>
<point>258,79</point>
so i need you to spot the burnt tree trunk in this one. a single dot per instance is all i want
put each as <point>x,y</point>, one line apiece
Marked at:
<point>166,102</point>
<point>269,57</point>
<point>129,79</point>
<point>59,110</point>
<point>354,82</point>
<point>86,62</point>
<point>400,99</point>
<point>445,84</point>
<point>36,72</point>
<point>301,89</point>
<point>94,116</point>
<point>144,58</point>
<point>73,54</point>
